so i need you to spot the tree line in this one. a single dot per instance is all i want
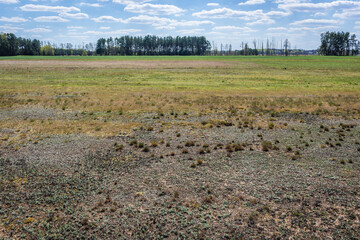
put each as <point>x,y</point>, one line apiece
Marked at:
<point>339,44</point>
<point>10,45</point>
<point>332,44</point>
<point>153,45</point>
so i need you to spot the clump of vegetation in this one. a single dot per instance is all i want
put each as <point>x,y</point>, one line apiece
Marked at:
<point>133,142</point>
<point>266,146</point>
<point>118,147</point>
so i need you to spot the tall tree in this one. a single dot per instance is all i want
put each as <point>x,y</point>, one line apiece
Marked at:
<point>338,44</point>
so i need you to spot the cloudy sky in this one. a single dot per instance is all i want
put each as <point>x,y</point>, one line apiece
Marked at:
<point>221,21</point>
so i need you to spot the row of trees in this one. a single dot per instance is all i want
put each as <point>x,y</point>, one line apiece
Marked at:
<point>339,44</point>
<point>332,44</point>
<point>10,45</point>
<point>152,45</point>
<point>270,48</point>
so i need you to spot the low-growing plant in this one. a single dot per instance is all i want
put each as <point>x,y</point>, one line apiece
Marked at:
<point>266,146</point>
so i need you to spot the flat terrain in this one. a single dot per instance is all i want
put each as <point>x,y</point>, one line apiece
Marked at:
<point>180,147</point>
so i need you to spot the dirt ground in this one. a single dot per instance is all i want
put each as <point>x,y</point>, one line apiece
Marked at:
<point>184,176</point>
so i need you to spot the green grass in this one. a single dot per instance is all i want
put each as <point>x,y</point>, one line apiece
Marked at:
<point>241,73</point>
<point>194,84</point>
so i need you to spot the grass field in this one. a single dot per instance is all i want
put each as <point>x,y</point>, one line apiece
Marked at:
<point>179,147</point>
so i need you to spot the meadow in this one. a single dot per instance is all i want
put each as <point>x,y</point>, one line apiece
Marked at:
<point>200,147</point>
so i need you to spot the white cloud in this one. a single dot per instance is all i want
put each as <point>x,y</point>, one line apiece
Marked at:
<point>252,2</point>
<point>38,30</point>
<point>320,14</point>
<point>212,4</point>
<point>90,4</point>
<point>125,2</point>
<point>74,28</point>
<point>291,1</point>
<point>107,19</point>
<point>313,29</point>
<point>13,19</point>
<point>158,22</point>
<point>50,19</point>
<point>44,8</point>
<point>74,15</point>
<point>9,1</point>
<point>10,29</point>
<point>153,9</point>
<point>228,13</point>
<point>264,21</point>
<point>348,13</point>
<point>116,32</point>
<point>275,29</point>
<point>234,28</point>
<point>44,0</point>
<point>191,31</point>
<point>315,22</point>
<point>306,6</point>
<point>104,28</point>
<point>245,15</point>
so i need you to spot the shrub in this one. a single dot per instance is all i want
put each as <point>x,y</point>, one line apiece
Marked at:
<point>266,146</point>
<point>190,144</point>
<point>133,142</point>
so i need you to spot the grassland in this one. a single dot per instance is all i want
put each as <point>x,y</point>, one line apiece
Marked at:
<point>179,147</point>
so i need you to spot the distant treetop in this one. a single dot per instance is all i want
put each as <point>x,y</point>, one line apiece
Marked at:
<point>339,44</point>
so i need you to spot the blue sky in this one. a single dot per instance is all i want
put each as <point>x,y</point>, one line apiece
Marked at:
<point>222,22</point>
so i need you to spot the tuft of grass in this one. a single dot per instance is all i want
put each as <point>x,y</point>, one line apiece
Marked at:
<point>266,146</point>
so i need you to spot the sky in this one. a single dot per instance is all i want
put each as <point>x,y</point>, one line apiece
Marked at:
<point>220,21</point>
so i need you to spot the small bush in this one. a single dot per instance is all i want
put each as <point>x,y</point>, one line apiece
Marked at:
<point>266,146</point>
<point>133,142</point>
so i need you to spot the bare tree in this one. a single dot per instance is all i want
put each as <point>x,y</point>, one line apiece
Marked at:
<point>286,47</point>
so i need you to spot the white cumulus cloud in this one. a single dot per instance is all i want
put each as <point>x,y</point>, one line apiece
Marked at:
<point>13,19</point>
<point>252,2</point>
<point>45,8</point>
<point>153,9</point>
<point>74,15</point>
<point>212,4</point>
<point>50,19</point>
<point>38,30</point>
<point>9,1</point>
